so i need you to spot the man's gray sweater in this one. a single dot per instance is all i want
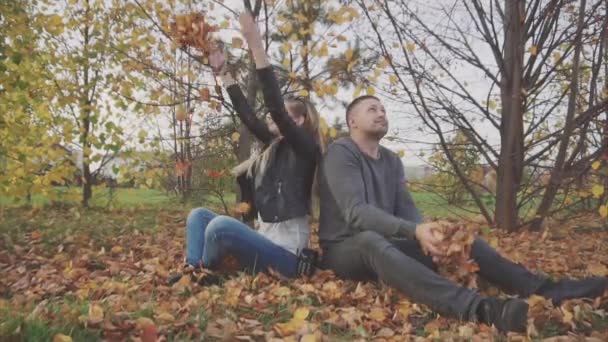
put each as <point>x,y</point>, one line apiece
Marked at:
<point>361,193</point>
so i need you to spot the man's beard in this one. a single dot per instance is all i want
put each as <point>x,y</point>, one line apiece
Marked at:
<point>378,134</point>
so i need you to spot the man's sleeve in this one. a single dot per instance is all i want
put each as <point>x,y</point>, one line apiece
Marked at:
<point>404,204</point>
<point>343,174</point>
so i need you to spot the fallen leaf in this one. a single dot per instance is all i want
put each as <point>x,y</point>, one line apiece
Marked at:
<point>62,338</point>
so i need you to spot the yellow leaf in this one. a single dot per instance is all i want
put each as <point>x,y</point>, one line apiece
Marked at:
<point>377,314</point>
<point>323,51</point>
<point>95,314</point>
<point>357,91</point>
<point>308,338</point>
<point>332,132</point>
<point>235,136</point>
<point>370,90</point>
<point>410,47</point>
<point>492,104</point>
<point>55,25</point>
<point>224,24</point>
<point>301,313</point>
<point>286,47</point>
<point>598,269</point>
<point>165,316</point>
<point>237,42</point>
<point>597,190</point>
<point>303,93</point>
<point>144,321</point>
<point>533,50</point>
<point>401,153</point>
<point>62,338</point>
<point>393,79</point>
<point>603,211</point>
<point>596,164</point>
<point>348,54</point>
<point>568,316</point>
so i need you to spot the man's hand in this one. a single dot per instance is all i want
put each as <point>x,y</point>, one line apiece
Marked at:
<point>428,235</point>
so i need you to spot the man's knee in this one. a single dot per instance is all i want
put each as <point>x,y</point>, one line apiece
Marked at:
<point>371,241</point>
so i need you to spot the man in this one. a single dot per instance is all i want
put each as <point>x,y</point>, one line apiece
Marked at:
<point>371,229</point>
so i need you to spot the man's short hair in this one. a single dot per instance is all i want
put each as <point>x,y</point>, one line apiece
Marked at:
<point>354,102</point>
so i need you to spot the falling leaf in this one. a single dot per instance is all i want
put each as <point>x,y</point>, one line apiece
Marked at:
<point>401,153</point>
<point>303,93</point>
<point>596,164</point>
<point>371,91</point>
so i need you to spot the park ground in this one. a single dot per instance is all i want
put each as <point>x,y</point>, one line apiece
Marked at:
<point>99,274</point>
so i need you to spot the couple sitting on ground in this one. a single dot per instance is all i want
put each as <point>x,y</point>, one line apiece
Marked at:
<point>369,229</point>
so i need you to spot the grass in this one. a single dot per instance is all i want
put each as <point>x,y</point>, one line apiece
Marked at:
<point>430,204</point>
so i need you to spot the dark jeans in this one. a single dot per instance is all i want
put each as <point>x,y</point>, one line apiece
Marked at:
<point>402,265</point>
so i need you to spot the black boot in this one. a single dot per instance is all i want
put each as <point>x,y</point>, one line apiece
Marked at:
<point>187,269</point>
<point>505,314</point>
<point>561,290</point>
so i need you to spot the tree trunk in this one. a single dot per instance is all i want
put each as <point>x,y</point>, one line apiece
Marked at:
<point>556,177</point>
<point>85,116</point>
<point>510,163</point>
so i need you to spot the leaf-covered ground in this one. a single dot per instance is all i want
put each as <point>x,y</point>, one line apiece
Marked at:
<point>94,275</point>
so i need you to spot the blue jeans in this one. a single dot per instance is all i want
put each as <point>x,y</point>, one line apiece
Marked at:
<point>210,237</point>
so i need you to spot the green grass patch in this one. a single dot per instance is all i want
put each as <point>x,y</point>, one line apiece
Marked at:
<point>15,326</point>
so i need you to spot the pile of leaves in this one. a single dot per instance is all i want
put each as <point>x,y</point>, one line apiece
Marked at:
<point>102,275</point>
<point>456,242</point>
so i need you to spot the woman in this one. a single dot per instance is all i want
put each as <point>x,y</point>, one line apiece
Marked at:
<point>281,179</point>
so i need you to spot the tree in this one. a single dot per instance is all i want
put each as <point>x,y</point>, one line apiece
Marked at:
<point>178,75</point>
<point>84,68</point>
<point>30,158</point>
<point>521,93</point>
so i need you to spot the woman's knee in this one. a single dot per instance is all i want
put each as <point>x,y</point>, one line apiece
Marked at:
<point>199,214</point>
<point>219,225</point>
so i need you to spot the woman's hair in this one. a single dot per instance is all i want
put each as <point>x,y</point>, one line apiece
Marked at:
<point>256,165</point>
<point>312,120</point>
<point>312,123</point>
